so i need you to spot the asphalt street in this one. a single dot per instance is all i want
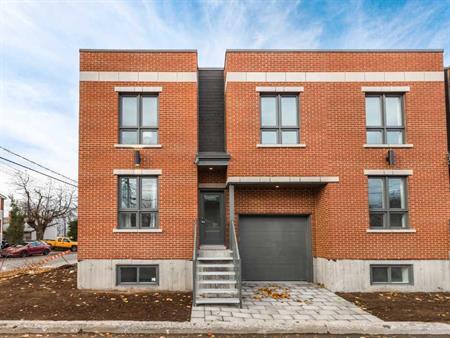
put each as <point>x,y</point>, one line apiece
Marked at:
<point>8,264</point>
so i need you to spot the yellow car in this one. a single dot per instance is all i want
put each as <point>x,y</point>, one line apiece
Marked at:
<point>63,243</point>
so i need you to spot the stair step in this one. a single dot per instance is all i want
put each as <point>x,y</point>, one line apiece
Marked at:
<point>213,291</point>
<point>203,258</point>
<point>217,273</point>
<point>219,265</point>
<point>215,253</point>
<point>216,281</point>
<point>217,300</point>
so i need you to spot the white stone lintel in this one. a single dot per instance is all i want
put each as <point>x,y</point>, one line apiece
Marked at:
<point>387,172</point>
<point>137,172</point>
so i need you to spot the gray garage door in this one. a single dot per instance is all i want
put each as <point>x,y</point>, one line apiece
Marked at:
<point>275,248</point>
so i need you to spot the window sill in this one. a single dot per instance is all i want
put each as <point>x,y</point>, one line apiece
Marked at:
<point>300,145</point>
<point>137,146</point>
<point>137,230</point>
<point>391,230</point>
<point>388,145</point>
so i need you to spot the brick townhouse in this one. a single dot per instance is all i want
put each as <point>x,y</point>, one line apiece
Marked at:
<point>320,166</point>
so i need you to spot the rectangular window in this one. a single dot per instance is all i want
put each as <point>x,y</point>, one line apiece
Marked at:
<point>391,274</point>
<point>138,119</point>
<point>138,202</point>
<point>137,274</point>
<point>279,119</point>
<point>388,203</point>
<point>385,119</point>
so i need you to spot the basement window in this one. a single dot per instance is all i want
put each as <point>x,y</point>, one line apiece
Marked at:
<point>138,119</point>
<point>391,274</point>
<point>279,119</point>
<point>137,274</point>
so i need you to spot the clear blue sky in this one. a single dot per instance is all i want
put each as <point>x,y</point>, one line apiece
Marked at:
<point>39,43</point>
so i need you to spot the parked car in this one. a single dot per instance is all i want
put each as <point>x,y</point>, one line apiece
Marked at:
<point>27,249</point>
<point>63,243</point>
<point>4,245</point>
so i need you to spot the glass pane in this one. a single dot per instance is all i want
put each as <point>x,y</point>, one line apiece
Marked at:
<point>374,137</point>
<point>211,210</point>
<point>373,111</point>
<point>149,111</point>
<point>269,137</point>
<point>399,274</point>
<point>149,194</point>
<point>289,111</point>
<point>268,111</point>
<point>128,275</point>
<point>376,220</point>
<point>380,274</point>
<point>376,193</point>
<point>129,113</point>
<point>397,193</point>
<point>129,137</point>
<point>393,111</point>
<point>147,275</point>
<point>289,137</point>
<point>394,137</point>
<point>149,137</point>
<point>398,220</point>
<point>127,220</point>
<point>128,192</point>
<point>148,220</point>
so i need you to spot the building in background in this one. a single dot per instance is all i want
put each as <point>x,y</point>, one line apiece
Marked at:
<point>331,167</point>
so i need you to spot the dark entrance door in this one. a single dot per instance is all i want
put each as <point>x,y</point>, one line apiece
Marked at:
<point>212,218</point>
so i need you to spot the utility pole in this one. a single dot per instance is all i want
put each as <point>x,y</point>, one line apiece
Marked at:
<point>2,208</point>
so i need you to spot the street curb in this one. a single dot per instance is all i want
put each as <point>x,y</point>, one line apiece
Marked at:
<point>142,327</point>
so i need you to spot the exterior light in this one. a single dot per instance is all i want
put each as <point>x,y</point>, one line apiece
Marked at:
<point>137,158</point>
<point>277,186</point>
<point>211,168</point>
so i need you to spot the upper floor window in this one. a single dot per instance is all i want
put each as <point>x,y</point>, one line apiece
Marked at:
<point>387,202</point>
<point>138,202</point>
<point>279,119</point>
<point>385,119</point>
<point>138,119</point>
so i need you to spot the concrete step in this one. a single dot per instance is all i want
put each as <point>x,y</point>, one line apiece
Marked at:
<point>218,265</point>
<point>217,291</point>
<point>217,300</point>
<point>216,281</point>
<point>216,273</point>
<point>218,258</point>
<point>214,253</point>
<point>212,247</point>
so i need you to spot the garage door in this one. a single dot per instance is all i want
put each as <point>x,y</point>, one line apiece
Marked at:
<point>275,248</point>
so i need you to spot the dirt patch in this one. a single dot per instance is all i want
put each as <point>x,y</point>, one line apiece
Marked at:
<point>53,295</point>
<point>394,306</point>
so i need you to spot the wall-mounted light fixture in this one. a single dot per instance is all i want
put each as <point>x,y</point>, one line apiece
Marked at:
<point>137,158</point>
<point>390,158</point>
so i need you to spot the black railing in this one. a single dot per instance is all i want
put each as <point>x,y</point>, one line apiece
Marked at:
<point>194,262</point>
<point>236,260</point>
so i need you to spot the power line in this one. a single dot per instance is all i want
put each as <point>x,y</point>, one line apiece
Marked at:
<point>26,159</point>
<point>39,172</point>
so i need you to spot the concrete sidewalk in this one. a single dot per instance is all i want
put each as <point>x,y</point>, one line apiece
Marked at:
<point>318,327</point>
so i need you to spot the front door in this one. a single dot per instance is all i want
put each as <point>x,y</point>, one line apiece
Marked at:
<point>212,218</point>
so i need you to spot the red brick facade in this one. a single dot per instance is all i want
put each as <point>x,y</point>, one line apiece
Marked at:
<point>332,127</point>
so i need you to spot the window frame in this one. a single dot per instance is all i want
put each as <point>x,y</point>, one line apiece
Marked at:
<point>139,127</point>
<point>278,128</point>
<point>384,128</point>
<point>389,274</point>
<point>138,267</point>
<point>139,210</point>
<point>386,211</point>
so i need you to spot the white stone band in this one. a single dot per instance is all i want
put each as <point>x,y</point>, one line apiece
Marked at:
<point>137,172</point>
<point>388,172</point>
<point>139,76</point>
<point>334,76</point>
<point>385,89</point>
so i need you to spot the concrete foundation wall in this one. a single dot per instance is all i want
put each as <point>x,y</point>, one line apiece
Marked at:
<point>100,274</point>
<point>354,275</point>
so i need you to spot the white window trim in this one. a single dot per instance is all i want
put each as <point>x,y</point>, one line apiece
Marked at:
<point>280,89</point>
<point>300,145</point>
<point>388,172</point>
<point>136,230</point>
<point>391,230</point>
<point>138,172</point>
<point>403,89</point>
<point>138,89</point>
<point>406,145</point>
<point>137,146</point>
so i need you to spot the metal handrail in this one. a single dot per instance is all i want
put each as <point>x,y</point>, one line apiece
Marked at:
<point>236,260</point>
<point>194,262</point>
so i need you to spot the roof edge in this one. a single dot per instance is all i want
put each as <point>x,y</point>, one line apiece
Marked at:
<point>138,50</point>
<point>334,51</point>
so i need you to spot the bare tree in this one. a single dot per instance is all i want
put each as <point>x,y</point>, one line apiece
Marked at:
<point>44,205</point>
